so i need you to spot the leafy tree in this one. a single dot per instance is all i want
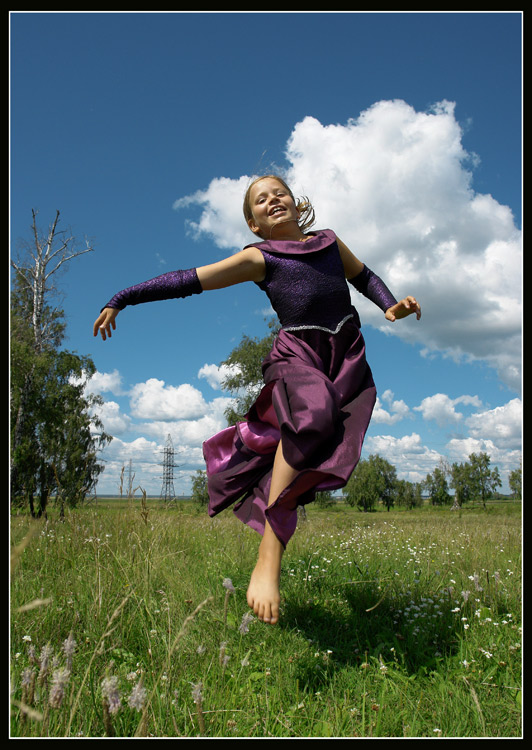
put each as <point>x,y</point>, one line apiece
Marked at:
<point>200,493</point>
<point>436,486</point>
<point>408,494</point>
<point>461,483</point>
<point>53,440</point>
<point>324,499</point>
<point>373,479</point>
<point>515,482</point>
<point>484,481</point>
<point>42,261</point>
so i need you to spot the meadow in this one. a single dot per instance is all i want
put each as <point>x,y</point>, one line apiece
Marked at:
<point>129,619</point>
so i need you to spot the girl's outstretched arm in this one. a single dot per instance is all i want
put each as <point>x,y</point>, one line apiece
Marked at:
<point>247,265</point>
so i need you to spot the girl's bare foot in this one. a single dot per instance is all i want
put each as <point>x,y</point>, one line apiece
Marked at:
<point>263,590</point>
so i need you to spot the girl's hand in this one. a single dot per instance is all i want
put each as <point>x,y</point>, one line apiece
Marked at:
<point>402,309</point>
<point>105,321</point>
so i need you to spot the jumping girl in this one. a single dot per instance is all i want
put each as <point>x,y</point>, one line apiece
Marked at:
<point>304,432</point>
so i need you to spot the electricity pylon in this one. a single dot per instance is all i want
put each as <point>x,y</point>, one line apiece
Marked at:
<point>167,489</point>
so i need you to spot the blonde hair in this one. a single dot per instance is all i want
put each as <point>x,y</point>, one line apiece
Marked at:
<point>303,205</point>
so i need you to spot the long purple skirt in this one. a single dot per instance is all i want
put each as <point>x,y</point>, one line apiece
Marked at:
<point>317,400</point>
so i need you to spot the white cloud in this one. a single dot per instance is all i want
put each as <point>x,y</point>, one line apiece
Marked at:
<point>105,382</point>
<point>187,433</point>
<point>502,424</point>
<point>441,408</point>
<point>459,450</point>
<point>216,374</point>
<point>158,401</point>
<point>397,410</point>
<point>222,217</point>
<point>146,455</point>
<point>396,186</point>
<point>412,459</point>
<point>114,421</point>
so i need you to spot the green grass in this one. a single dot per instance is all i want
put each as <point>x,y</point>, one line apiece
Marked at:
<point>376,638</point>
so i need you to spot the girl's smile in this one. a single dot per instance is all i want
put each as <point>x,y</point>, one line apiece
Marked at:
<point>271,205</point>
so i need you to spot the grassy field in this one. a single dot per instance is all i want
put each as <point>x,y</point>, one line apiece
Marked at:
<point>131,620</point>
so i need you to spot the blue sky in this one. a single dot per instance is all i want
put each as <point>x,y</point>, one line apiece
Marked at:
<point>403,128</point>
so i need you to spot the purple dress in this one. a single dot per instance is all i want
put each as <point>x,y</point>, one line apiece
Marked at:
<point>318,393</point>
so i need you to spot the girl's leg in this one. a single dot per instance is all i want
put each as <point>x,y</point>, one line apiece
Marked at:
<point>263,591</point>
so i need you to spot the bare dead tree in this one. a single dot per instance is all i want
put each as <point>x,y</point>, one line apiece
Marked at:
<point>47,255</point>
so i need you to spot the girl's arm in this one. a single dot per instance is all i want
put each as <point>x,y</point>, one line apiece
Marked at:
<point>373,287</point>
<point>352,265</point>
<point>247,265</point>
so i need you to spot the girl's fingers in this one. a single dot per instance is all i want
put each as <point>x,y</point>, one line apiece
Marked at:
<point>104,323</point>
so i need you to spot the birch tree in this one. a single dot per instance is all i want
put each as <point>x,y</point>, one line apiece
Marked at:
<point>37,330</point>
<point>36,273</point>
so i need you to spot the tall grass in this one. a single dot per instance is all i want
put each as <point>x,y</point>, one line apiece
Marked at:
<point>131,620</point>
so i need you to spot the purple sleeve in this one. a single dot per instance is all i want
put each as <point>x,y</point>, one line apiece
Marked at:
<point>374,288</point>
<point>167,286</point>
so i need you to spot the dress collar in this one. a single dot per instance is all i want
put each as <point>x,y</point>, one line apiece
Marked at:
<point>317,241</point>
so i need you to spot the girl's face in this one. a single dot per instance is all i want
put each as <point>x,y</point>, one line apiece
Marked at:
<point>271,204</point>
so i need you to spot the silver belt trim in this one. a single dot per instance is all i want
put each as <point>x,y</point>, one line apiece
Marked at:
<point>320,328</point>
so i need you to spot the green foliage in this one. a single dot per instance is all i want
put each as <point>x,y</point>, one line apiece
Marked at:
<point>460,481</point>
<point>200,493</point>
<point>515,482</point>
<point>408,494</point>
<point>436,486</point>
<point>373,480</point>
<point>324,499</point>
<point>474,480</point>
<point>484,480</point>
<point>53,445</point>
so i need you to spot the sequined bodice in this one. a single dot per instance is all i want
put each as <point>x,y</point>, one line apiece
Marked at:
<point>305,282</point>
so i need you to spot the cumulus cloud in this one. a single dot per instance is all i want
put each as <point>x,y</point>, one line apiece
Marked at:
<point>441,408</point>
<point>459,450</point>
<point>158,401</point>
<point>502,424</point>
<point>113,420</point>
<point>221,218</point>
<point>105,382</point>
<point>216,374</point>
<point>397,186</point>
<point>412,459</point>
<point>191,432</point>
<point>394,411</point>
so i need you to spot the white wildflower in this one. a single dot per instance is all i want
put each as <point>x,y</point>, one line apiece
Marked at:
<point>228,584</point>
<point>244,625</point>
<point>69,646</point>
<point>197,695</point>
<point>137,697</point>
<point>111,693</point>
<point>57,691</point>
<point>44,662</point>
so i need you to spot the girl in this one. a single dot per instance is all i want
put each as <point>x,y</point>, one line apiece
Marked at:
<point>304,432</point>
